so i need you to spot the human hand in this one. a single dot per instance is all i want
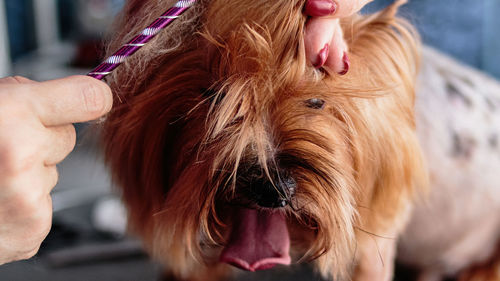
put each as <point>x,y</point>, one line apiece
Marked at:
<point>324,38</point>
<point>36,133</point>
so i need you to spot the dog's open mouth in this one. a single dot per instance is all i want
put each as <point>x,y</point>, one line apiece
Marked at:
<point>259,240</point>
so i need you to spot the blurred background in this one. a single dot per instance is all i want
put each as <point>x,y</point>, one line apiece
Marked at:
<point>47,39</point>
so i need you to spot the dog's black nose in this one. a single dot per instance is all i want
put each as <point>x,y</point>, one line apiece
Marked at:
<point>277,195</point>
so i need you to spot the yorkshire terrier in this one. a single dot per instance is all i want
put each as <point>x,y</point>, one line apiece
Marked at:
<point>230,148</point>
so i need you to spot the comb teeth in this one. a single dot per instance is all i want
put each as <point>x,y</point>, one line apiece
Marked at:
<point>150,31</point>
<point>184,3</point>
<point>116,59</point>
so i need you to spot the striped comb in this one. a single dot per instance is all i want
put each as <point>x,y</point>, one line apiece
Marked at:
<point>140,40</point>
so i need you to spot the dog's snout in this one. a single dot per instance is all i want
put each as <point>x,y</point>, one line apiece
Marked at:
<point>268,195</point>
<point>276,194</point>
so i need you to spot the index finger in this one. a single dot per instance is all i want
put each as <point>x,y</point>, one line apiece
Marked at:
<point>70,100</point>
<point>334,8</point>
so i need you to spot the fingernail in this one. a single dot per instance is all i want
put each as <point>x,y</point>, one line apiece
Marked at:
<point>322,56</point>
<point>320,8</point>
<point>347,64</point>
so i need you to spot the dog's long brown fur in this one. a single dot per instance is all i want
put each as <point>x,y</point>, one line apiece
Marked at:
<point>227,86</point>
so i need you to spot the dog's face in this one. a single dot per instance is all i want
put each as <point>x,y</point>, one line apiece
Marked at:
<point>232,148</point>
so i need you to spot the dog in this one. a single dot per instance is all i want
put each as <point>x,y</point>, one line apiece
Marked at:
<point>230,148</point>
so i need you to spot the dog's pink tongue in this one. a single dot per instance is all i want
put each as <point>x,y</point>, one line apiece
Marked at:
<point>259,240</point>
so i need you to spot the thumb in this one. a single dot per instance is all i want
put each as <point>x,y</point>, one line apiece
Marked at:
<point>71,100</point>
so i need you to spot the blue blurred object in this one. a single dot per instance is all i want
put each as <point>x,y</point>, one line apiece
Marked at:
<point>469,30</point>
<point>74,20</point>
<point>491,38</point>
<point>20,27</point>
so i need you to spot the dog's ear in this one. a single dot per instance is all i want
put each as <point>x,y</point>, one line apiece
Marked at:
<point>391,11</point>
<point>386,48</point>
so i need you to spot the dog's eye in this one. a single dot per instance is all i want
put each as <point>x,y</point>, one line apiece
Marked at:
<point>315,103</point>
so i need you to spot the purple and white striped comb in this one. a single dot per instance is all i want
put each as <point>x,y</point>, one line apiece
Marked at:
<point>140,40</point>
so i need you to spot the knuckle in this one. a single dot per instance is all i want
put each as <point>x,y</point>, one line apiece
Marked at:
<point>7,151</point>
<point>20,79</point>
<point>41,225</point>
<point>7,161</point>
<point>13,160</point>
<point>13,108</point>
<point>30,215</point>
<point>31,253</point>
<point>70,136</point>
<point>7,102</point>
<point>36,215</point>
<point>13,80</point>
<point>7,80</point>
<point>26,204</point>
<point>53,178</point>
<point>61,144</point>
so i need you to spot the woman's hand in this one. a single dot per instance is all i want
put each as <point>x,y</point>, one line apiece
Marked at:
<point>325,44</point>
